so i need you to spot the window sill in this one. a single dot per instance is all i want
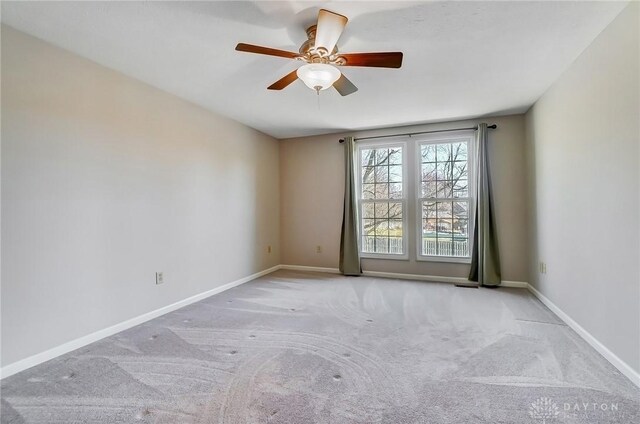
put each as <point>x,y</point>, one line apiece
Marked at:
<point>383,256</point>
<point>445,259</point>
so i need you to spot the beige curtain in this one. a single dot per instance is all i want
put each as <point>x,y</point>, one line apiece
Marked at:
<point>349,253</point>
<point>485,258</point>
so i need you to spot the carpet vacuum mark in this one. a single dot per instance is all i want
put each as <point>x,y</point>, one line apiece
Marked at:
<point>294,347</point>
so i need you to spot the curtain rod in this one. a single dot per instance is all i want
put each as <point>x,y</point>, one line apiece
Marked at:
<point>493,127</point>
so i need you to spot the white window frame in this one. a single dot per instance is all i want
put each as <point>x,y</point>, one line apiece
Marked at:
<point>363,145</point>
<point>452,137</point>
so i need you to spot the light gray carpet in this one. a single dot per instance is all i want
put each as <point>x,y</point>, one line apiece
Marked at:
<point>316,348</point>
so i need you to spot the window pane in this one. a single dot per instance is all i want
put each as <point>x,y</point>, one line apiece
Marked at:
<point>428,153</point>
<point>368,191</point>
<point>459,151</point>
<point>429,210</point>
<point>445,209</point>
<point>461,248</point>
<point>381,228</point>
<point>430,228</point>
<point>429,240</point>
<point>445,246</point>
<point>460,209</point>
<point>368,244</point>
<point>395,245</point>
<point>381,174</point>
<point>382,210</point>
<point>429,172</point>
<point>443,152</point>
<point>395,156</point>
<point>382,191</point>
<point>428,189</point>
<point>461,239</point>
<point>443,189</point>
<point>460,188</point>
<point>382,245</point>
<point>395,173</point>
<point>367,157</point>
<point>395,210</point>
<point>367,210</point>
<point>460,229</point>
<point>368,227</point>
<point>382,157</point>
<point>395,228</point>
<point>395,190</point>
<point>443,171</point>
<point>459,170</point>
<point>367,174</point>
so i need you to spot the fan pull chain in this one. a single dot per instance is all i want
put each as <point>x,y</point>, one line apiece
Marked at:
<point>318,95</point>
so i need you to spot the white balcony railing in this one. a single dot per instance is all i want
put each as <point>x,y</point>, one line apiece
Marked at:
<point>430,246</point>
<point>433,247</point>
<point>379,245</point>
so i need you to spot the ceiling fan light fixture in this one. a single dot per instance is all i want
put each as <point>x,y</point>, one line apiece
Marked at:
<point>320,53</point>
<point>318,76</point>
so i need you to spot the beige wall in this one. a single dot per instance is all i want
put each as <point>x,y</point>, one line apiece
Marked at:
<point>312,186</point>
<point>106,180</point>
<point>583,138</point>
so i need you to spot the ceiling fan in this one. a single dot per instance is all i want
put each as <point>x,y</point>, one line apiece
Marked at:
<point>321,55</point>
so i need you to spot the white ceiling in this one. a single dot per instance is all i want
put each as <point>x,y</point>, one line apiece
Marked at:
<point>461,59</point>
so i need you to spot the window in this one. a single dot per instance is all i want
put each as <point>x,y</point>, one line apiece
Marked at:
<point>415,197</point>
<point>444,198</point>
<point>382,201</point>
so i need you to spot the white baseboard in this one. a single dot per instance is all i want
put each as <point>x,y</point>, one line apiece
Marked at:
<point>41,357</point>
<point>378,274</point>
<point>622,366</point>
<point>440,279</point>
<point>310,269</point>
<point>432,278</point>
<point>515,284</point>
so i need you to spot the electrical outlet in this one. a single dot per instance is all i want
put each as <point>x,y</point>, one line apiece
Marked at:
<point>159,278</point>
<point>269,249</point>
<point>542,267</point>
<point>318,249</point>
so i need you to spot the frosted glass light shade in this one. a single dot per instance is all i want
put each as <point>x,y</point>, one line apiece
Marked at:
<point>318,76</point>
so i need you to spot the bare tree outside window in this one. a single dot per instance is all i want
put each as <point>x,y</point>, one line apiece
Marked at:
<point>382,200</point>
<point>444,186</point>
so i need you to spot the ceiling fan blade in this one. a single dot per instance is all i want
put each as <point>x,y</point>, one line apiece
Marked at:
<point>344,86</point>
<point>329,29</point>
<point>376,60</point>
<point>251,48</point>
<point>284,81</point>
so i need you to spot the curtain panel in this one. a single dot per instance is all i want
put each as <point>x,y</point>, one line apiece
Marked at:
<point>485,258</point>
<point>349,252</point>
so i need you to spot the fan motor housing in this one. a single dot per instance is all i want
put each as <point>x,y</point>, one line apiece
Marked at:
<point>309,54</point>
